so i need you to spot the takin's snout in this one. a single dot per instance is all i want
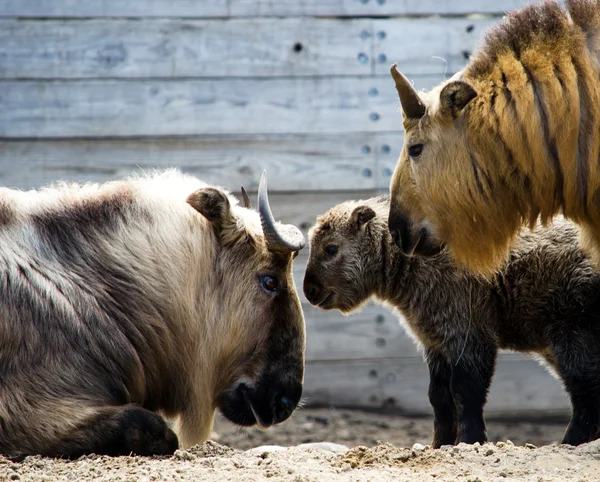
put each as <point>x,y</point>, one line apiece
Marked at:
<point>268,403</point>
<point>410,238</point>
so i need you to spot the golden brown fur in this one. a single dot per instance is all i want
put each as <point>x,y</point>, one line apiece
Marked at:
<point>526,147</point>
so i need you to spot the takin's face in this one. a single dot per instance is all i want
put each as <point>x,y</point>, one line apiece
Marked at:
<point>343,264</point>
<point>439,193</point>
<point>261,343</point>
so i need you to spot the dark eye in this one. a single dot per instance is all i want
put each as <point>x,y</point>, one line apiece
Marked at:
<point>415,150</point>
<point>331,250</point>
<point>269,283</point>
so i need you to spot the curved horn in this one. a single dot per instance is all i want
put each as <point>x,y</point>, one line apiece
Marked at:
<point>283,237</point>
<point>246,199</point>
<point>412,105</point>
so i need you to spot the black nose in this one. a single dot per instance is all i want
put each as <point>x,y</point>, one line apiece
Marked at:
<point>397,229</point>
<point>312,288</point>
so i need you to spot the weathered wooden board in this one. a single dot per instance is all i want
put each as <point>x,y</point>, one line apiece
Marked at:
<point>184,48</point>
<point>103,108</point>
<point>126,48</point>
<point>519,385</point>
<point>227,8</point>
<point>293,163</point>
<point>428,45</point>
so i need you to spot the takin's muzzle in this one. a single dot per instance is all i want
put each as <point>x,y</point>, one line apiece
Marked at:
<point>412,239</point>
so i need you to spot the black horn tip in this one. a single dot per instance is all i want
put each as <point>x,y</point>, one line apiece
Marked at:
<point>246,199</point>
<point>278,236</point>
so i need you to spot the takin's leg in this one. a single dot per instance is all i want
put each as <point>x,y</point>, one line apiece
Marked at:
<point>578,366</point>
<point>440,397</point>
<point>118,431</point>
<point>114,430</point>
<point>472,370</point>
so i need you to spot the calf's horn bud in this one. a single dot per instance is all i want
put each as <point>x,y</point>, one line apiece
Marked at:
<point>246,199</point>
<point>412,105</point>
<point>282,237</point>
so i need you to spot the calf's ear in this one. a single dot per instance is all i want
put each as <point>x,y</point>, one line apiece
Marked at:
<point>361,216</point>
<point>214,206</point>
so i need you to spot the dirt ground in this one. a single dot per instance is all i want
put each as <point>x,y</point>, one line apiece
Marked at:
<point>292,452</point>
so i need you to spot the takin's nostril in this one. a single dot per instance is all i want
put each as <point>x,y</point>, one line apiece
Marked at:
<point>395,235</point>
<point>286,403</point>
<point>310,294</point>
<point>285,406</point>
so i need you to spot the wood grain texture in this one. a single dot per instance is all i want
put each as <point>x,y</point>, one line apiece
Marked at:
<point>114,8</point>
<point>102,108</point>
<point>520,386</point>
<point>257,47</point>
<point>231,8</point>
<point>293,163</point>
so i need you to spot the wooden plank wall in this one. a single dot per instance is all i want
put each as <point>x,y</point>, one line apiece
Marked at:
<point>92,91</point>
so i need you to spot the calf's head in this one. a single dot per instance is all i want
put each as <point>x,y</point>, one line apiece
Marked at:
<point>257,332</point>
<point>344,264</point>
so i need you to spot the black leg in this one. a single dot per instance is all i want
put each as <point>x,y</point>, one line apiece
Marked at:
<point>118,431</point>
<point>472,370</point>
<point>579,370</point>
<point>440,397</point>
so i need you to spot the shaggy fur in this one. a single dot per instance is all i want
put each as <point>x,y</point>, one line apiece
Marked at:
<point>126,301</point>
<point>545,301</point>
<point>513,138</point>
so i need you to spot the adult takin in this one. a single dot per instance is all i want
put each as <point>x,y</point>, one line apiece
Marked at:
<point>545,300</point>
<point>512,139</point>
<point>125,302</point>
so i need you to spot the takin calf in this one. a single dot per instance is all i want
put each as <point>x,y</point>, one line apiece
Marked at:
<point>545,300</point>
<point>513,138</point>
<point>123,302</point>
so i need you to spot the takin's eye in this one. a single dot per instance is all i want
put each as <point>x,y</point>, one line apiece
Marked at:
<point>331,250</point>
<point>269,283</point>
<point>415,150</point>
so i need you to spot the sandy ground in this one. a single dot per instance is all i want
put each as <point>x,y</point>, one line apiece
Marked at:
<point>307,460</point>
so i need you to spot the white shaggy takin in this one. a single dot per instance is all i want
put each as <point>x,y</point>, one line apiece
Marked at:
<point>127,301</point>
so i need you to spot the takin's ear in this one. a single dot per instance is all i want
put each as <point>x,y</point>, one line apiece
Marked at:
<point>361,216</point>
<point>214,206</point>
<point>455,96</point>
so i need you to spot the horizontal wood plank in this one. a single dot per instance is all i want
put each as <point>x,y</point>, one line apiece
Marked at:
<point>293,163</point>
<point>121,48</point>
<point>110,108</point>
<point>373,7</point>
<point>227,8</point>
<point>114,8</point>
<point>520,385</point>
<point>190,48</point>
